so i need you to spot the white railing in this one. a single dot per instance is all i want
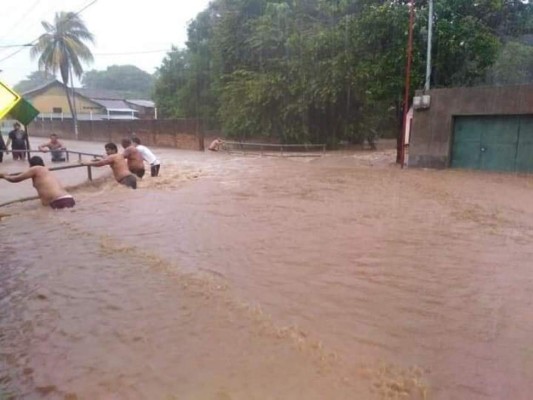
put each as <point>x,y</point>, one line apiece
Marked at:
<point>85,117</point>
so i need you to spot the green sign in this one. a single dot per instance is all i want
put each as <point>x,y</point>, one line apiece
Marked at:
<point>23,111</point>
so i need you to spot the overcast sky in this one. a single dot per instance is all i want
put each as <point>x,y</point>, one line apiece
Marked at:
<point>126,32</point>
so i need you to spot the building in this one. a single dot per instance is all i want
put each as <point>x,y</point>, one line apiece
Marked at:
<point>51,100</point>
<point>485,128</point>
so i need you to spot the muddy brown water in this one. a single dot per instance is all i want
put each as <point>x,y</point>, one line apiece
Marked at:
<point>233,277</point>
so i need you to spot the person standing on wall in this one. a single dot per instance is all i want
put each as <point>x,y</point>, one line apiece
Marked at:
<point>19,141</point>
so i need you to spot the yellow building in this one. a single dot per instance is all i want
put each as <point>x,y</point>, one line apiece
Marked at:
<point>51,101</point>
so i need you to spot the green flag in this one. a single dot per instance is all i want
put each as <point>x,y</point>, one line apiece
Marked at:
<point>23,111</point>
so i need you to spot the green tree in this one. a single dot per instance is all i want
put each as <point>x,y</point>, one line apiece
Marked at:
<point>171,78</point>
<point>130,80</point>
<point>514,65</point>
<point>331,70</point>
<point>62,49</point>
<point>34,80</point>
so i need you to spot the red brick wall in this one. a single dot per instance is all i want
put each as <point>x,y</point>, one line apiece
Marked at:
<point>181,134</point>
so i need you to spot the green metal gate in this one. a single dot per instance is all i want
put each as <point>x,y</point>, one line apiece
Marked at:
<point>494,143</point>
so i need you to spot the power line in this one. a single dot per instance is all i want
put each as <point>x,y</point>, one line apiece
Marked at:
<point>24,15</point>
<point>137,52</point>
<point>21,28</point>
<point>36,39</point>
<point>86,7</point>
<point>14,53</point>
<point>7,46</point>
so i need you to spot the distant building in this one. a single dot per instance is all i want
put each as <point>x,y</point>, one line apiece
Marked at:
<point>51,100</point>
<point>145,108</point>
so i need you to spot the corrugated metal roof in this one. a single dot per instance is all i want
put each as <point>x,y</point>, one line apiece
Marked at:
<point>115,105</point>
<point>97,94</point>
<point>142,103</point>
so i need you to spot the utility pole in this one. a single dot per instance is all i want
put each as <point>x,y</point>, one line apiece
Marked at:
<point>430,36</point>
<point>74,112</point>
<point>407,81</point>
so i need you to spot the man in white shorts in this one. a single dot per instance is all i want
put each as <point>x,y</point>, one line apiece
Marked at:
<point>148,156</point>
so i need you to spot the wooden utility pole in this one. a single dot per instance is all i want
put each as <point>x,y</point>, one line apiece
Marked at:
<point>401,147</point>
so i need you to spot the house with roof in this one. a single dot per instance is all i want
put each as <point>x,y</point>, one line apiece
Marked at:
<point>90,104</point>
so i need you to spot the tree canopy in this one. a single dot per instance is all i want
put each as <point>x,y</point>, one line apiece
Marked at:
<point>130,80</point>
<point>34,80</point>
<point>325,71</point>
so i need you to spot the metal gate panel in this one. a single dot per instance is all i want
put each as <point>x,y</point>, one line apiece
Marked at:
<point>499,140</point>
<point>493,143</point>
<point>524,157</point>
<point>466,144</point>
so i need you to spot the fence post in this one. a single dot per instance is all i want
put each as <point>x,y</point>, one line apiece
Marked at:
<point>68,155</point>
<point>89,173</point>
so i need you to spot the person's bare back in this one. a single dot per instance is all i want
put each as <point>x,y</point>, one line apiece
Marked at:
<point>134,157</point>
<point>45,183</point>
<point>47,186</point>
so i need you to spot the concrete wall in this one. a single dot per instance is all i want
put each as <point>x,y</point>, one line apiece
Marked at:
<point>181,134</point>
<point>432,129</point>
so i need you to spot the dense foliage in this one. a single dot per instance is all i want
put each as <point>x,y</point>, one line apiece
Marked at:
<point>332,70</point>
<point>33,81</point>
<point>131,81</point>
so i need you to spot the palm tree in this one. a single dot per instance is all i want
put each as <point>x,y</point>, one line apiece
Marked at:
<point>62,48</point>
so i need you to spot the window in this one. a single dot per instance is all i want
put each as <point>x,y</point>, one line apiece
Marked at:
<point>57,110</point>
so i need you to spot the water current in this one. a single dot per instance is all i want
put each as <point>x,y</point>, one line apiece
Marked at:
<point>243,277</point>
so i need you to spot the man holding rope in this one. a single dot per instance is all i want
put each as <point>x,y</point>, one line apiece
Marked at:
<point>48,187</point>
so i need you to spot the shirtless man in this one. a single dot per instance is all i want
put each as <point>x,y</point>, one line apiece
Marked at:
<point>48,187</point>
<point>134,157</point>
<point>55,147</point>
<point>215,144</point>
<point>118,165</point>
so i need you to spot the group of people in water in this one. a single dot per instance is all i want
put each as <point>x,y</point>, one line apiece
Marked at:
<point>127,167</point>
<point>20,145</point>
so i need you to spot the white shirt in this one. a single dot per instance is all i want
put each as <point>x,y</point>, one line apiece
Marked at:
<point>147,154</point>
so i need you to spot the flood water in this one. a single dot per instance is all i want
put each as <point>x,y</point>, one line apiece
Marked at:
<point>241,277</point>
